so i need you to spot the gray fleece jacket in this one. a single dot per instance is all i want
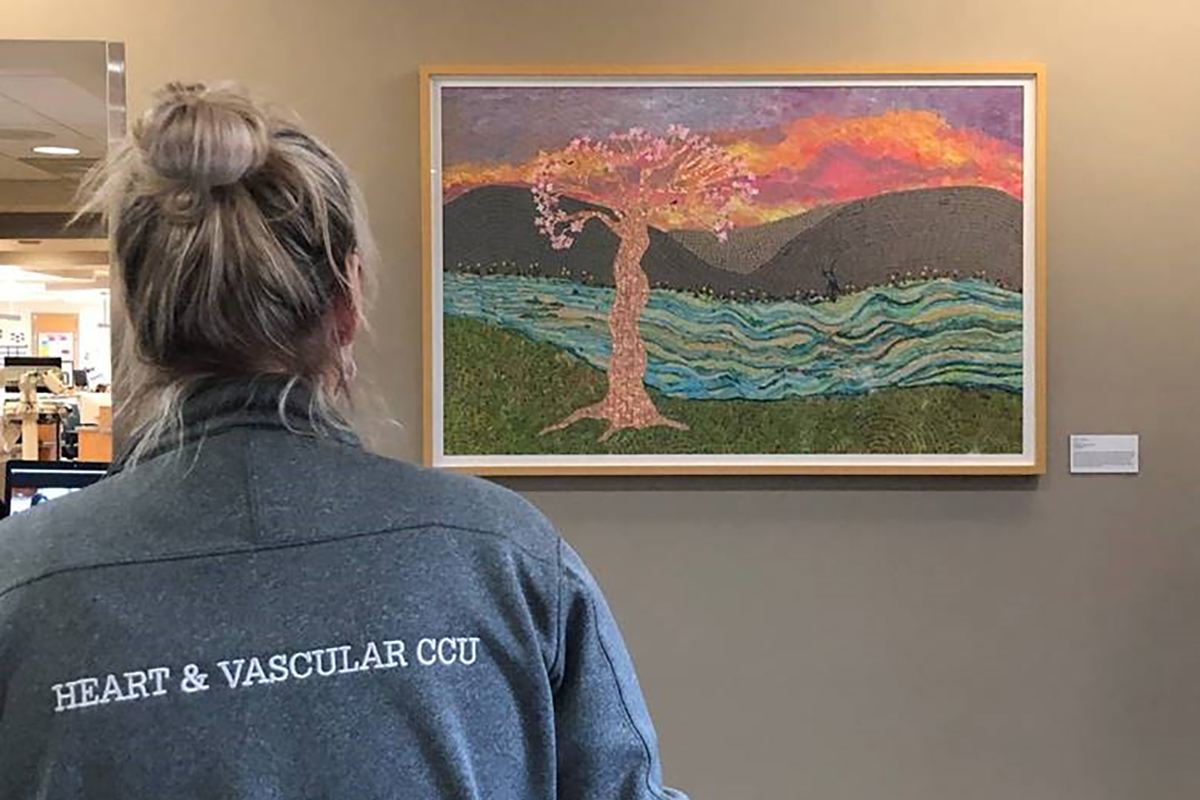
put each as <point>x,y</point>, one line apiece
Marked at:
<point>262,612</point>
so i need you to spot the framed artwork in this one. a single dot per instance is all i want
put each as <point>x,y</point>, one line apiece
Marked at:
<point>734,270</point>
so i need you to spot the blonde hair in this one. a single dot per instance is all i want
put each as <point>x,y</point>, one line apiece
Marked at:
<point>234,234</point>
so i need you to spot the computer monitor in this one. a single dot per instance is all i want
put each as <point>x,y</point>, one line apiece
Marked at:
<point>31,483</point>
<point>32,362</point>
<point>16,366</point>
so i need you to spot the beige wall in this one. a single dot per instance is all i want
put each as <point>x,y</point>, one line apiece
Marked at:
<point>833,638</point>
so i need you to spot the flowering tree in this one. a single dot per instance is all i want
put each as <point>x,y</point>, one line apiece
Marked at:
<point>681,179</point>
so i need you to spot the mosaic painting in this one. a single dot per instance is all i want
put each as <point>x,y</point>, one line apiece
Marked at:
<point>823,269</point>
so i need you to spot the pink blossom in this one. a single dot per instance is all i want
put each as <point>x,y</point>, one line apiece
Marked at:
<point>683,171</point>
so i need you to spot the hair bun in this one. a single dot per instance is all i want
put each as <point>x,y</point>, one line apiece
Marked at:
<point>204,137</point>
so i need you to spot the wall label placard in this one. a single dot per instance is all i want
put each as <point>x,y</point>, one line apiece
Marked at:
<point>1104,454</point>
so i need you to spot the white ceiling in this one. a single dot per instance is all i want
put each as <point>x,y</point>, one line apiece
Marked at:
<point>36,268</point>
<point>64,258</point>
<point>51,93</point>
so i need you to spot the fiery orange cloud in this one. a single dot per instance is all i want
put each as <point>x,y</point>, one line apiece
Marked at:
<point>461,178</point>
<point>831,159</point>
<point>825,159</point>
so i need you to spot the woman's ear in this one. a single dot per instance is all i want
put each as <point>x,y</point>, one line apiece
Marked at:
<point>347,307</point>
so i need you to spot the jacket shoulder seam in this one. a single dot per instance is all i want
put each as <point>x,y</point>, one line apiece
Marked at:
<point>282,545</point>
<point>556,664</point>
<point>638,734</point>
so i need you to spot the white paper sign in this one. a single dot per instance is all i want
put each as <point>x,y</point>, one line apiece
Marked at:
<point>1104,454</point>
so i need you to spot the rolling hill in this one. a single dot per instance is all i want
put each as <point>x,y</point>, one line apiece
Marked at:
<point>861,243</point>
<point>492,226</point>
<point>964,229</point>
<point>747,249</point>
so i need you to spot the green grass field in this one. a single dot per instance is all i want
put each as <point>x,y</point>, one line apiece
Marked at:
<point>501,389</point>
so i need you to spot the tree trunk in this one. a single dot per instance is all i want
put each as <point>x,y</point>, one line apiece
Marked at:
<point>626,404</point>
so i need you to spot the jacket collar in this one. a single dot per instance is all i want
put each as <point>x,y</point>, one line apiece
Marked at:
<point>265,402</point>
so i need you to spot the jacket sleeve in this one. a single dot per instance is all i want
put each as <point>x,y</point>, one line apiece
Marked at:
<point>607,749</point>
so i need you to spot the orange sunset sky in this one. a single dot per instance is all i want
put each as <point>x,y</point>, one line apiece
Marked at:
<point>819,146</point>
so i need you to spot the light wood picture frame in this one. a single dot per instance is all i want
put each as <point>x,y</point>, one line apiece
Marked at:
<point>734,270</point>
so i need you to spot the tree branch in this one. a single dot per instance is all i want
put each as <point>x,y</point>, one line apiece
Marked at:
<point>676,160</point>
<point>585,215</point>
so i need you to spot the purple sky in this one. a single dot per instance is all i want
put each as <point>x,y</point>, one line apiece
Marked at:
<point>511,124</point>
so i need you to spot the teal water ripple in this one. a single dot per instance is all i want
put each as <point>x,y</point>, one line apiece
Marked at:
<point>963,333</point>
